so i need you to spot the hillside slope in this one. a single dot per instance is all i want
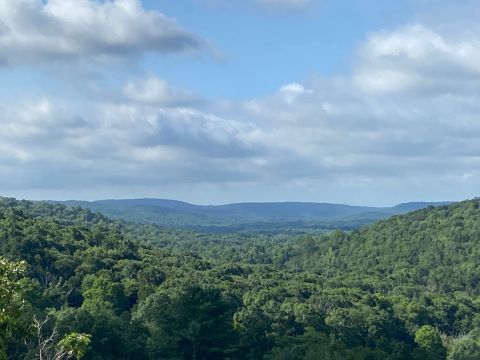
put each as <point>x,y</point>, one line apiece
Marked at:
<point>438,248</point>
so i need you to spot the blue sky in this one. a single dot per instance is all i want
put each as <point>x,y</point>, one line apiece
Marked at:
<point>260,49</point>
<point>216,101</point>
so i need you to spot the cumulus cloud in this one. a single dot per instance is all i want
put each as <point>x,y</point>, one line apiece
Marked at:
<point>417,58</point>
<point>35,32</point>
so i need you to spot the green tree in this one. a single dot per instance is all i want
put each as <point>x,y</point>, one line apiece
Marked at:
<point>464,349</point>
<point>311,345</point>
<point>74,344</point>
<point>193,324</point>
<point>100,291</point>
<point>429,344</point>
<point>49,346</point>
<point>12,303</point>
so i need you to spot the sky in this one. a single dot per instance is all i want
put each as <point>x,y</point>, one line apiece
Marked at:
<point>371,102</point>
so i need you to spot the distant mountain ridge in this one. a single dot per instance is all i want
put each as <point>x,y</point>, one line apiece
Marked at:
<point>253,216</point>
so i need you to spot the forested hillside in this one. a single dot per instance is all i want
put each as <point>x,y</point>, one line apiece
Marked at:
<point>78,285</point>
<point>267,218</point>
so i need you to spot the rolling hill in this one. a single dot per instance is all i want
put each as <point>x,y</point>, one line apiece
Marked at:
<point>247,217</point>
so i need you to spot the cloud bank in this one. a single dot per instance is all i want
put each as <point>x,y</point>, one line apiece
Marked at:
<point>33,32</point>
<point>404,125</point>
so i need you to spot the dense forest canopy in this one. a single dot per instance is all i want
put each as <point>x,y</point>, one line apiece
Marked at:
<point>75,284</point>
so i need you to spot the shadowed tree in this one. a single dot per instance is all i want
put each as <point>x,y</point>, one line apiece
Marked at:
<point>195,323</point>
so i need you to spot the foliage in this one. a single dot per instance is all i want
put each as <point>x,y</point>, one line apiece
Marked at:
<point>404,288</point>
<point>429,343</point>
<point>47,344</point>
<point>12,302</point>
<point>75,344</point>
<point>194,323</point>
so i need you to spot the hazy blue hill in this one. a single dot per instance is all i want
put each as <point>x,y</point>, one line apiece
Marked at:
<point>247,217</point>
<point>413,206</point>
<point>288,210</point>
<point>160,204</point>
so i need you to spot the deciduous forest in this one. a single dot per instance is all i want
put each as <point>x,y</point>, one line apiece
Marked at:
<point>75,284</point>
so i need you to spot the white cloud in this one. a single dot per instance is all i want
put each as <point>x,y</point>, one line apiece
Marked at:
<point>416,58</point>
<point>404,126</point>
<point>33,32</point>
<point>293,88</point>
<point>293,91</point>
<point>155,91</point>
<point>409,115</point>
<point>331,141</point>
<point>49,145</point>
